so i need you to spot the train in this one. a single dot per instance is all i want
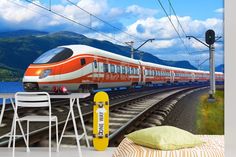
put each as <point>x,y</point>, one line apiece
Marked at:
<point>77,68</point>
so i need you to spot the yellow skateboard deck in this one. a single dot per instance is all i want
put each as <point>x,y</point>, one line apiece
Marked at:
<point>101,121</point>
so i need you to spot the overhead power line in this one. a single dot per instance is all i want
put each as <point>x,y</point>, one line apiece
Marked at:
<point>173,26</point>
<point>17,4</point>
<point>74,21</point>
<point>105,22</point>
<point>177,18</point>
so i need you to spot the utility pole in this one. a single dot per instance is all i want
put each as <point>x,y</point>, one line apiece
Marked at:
<point>210,40</point>
<point>141,53</point>
<point>131,44</point>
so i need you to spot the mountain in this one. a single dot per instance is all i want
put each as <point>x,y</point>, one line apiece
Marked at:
<point>21,50</point>
<point>220,68</point>
<point>21,33</point>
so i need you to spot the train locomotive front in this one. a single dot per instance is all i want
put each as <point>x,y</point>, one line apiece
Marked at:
<point>59,69</point>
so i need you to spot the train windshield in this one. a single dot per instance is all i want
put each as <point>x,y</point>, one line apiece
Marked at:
<point>54,55</point>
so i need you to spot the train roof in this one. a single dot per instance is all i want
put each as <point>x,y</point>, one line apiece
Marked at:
<point>85,49</point>
<point>166,67</point>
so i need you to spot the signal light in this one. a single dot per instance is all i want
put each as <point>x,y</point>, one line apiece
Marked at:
<point>210,37</point>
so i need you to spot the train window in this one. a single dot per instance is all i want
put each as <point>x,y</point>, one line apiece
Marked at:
<point>112,68</point>
<point>128,70</point>
<point>105,67</point>
<point>82,61</point>
<point>123,69</point>
<point>54,55</point>
<point>132,71</point>
<point>95,64</point>
<point>118,69</point>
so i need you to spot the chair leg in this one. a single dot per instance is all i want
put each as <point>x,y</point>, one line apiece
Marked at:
<point>50,131</point>
<point>11,134</point>
<point>57,135</point>
<point>14,136</point>
<point>27,135</point>
<point>23,135</point>
<point>3,109</point>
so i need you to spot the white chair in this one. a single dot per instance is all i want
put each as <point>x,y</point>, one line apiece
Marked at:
<point>33,99</point>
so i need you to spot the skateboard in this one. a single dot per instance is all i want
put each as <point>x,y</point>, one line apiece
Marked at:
<point>101,121</point>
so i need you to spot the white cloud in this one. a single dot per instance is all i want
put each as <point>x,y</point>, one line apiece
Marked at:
<point>8,12</point>
<point>220,10</point>
<point>18,14</point>
<point>140,11</point>
<point>115,12</point>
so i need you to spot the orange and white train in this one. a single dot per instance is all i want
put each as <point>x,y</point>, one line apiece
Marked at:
<point>81,67</point>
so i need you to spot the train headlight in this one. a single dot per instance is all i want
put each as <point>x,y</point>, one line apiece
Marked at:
<point>45,73</point>
<point>63,89</point>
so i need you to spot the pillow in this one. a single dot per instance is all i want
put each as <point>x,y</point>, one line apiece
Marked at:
<point>164,138</point>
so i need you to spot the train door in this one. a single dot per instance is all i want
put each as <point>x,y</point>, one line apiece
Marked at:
<point>101,71</point>
<point>140,76</point>
<point>193,77</point>
<point>96,70</point>
<point>173,76</point>
<point>143,75</point>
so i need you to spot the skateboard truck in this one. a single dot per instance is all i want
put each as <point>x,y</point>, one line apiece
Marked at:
<point>99,136</point>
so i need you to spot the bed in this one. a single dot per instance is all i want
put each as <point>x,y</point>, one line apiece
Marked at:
<point>213,147</point>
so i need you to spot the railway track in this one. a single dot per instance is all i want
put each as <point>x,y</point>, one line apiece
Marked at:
<point>124,107</point>
<point>152,115</point>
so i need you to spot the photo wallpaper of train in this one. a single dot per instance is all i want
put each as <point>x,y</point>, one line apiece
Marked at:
<point>160,61</point>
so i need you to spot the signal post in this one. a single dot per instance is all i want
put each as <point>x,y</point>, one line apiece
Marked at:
<point>210,40</point>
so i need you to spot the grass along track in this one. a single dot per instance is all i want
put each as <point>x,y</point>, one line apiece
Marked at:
<point>210,115</point>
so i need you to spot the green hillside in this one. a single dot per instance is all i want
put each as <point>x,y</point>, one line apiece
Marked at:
<point>7,74</point>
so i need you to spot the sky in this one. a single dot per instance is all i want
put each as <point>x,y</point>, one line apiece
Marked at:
<point>137,20</point>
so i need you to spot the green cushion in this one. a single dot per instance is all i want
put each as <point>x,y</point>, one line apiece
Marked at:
<point>164,138</point>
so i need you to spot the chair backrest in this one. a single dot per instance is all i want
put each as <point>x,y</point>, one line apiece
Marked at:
<point>32,99</point>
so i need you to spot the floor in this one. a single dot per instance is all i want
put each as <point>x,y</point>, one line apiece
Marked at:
<point>64,152</point>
